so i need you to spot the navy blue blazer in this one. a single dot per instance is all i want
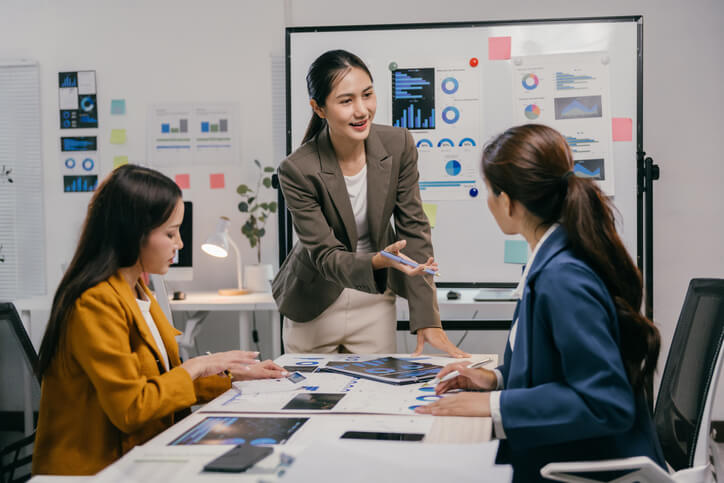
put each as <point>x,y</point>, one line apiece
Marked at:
<point>566,395</point>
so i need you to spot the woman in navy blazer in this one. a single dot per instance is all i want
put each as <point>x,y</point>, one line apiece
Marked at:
<point>579,355</point>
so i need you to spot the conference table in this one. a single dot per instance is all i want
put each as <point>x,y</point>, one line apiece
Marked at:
<point>310,448</point>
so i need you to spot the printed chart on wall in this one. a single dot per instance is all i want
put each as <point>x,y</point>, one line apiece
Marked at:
<point>441,106</point>
<point>79,163</point>
<point>192,134</point>
<point>77,99</point>
<point>570,93</point>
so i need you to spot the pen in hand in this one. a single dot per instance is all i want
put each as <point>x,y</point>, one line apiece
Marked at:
<point>454,374</point>
<point>407,262</point>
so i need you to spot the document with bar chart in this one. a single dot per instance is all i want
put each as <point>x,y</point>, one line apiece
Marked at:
<point>570,93</point>
<point>442,107</point>
<point>192,134</point>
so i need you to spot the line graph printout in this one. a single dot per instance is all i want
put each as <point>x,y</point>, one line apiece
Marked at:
<point>570,93</point>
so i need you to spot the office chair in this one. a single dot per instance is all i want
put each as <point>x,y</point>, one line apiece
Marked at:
<point>683,407</point>
<point>16,457</point>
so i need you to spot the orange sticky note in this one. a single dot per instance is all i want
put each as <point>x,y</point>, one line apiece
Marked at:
<point>217,181</point>
<point>498,48</point>
<point>183,181</point>
<point>622,128</point>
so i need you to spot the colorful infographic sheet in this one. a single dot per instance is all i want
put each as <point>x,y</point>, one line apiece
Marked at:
<point>570,93</point>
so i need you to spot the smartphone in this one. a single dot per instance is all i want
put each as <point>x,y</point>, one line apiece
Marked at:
<point>239,458</point>
<point>383,436</point>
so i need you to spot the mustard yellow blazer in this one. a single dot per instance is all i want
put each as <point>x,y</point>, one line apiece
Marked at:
<point>105,390</point>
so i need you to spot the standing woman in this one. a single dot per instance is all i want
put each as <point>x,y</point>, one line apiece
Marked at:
<point>109,362</point>
<point>342,186</point>
<point>580,353</point>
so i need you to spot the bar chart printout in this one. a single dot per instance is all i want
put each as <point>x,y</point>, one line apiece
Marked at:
<point>413,98</point>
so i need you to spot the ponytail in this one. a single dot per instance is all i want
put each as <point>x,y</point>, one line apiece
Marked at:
<point>315,126</point>
<point>588,218</point>
<point>533,165</point>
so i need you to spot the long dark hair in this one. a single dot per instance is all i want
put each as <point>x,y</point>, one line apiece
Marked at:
<point>322,75</point>
<point>533,165</point>
<point>125,208</point>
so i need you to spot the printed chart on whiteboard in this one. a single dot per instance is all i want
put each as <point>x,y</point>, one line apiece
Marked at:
<point>441,106</point>
<point>570,93</point>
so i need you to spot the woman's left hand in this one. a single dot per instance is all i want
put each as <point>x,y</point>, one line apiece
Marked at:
<point>260,370</point>
<point>437,338</point>
<point>460,404</point>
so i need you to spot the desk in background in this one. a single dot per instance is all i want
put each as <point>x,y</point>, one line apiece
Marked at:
<point>198,305</point>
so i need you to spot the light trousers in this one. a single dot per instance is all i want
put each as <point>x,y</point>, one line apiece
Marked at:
<point>357,322</point>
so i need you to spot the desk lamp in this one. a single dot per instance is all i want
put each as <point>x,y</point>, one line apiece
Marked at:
<point>217,245</point>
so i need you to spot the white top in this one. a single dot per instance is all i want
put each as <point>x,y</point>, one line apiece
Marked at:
<point>357,190</point>
<point>145,306</point>
<point>517,293</point>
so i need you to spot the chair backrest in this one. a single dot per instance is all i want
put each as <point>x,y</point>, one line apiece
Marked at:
<point>158,284</point>
<point>19,394</point>
<point>688,383</point>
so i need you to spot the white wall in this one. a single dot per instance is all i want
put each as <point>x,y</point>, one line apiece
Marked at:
<point>187,50</point>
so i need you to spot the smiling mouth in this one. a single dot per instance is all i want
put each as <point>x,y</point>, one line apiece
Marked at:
<point>359,124</point>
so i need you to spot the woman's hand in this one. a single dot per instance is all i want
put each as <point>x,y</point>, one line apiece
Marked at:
<point>461,404</point>
<point>210,364</point>
<point>468,379</point>
<point>437,338</point>
<point>260,370</point>
<point>379,261</point>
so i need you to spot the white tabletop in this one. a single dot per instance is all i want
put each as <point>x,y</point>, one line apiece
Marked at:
<point>214,301</point>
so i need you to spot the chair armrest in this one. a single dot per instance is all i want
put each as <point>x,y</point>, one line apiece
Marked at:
<point>623,470</point>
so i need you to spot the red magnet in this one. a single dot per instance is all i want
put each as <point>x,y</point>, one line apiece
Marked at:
<point>473,62</point>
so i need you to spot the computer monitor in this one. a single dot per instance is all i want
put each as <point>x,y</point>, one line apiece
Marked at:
<point>182,267</point>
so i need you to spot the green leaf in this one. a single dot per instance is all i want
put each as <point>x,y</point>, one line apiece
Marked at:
<point>252,241</point>
<point>255,207</point>
<point>251,200</point>
<point>268,169</point>
<point>243,207</point>
<point>258,164</point>
<point>261,232</point>
<point>264,206</point>
<point>266,182</point>
<point>273,206</point>
<point>242,189</point>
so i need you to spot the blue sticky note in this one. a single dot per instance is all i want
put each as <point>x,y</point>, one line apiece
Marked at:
<point>516,251</point>
<point>118,107</point>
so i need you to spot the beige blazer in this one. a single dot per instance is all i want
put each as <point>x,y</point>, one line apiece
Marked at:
<point>105,390</point>
<point>324,261</point>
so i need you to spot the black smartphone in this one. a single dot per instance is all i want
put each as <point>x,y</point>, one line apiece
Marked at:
<point>239,458</point>
<point>383,436</point>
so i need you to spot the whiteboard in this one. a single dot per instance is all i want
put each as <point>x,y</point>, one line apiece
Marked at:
<point>468,245</point>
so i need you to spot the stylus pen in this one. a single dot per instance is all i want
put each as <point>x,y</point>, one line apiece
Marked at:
<point>454,374</point>
<point>407,262</point>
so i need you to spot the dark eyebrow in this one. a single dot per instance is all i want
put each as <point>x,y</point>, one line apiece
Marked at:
<point>345,94</point>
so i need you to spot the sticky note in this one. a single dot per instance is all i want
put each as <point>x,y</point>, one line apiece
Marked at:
<point>622,128</point>
<point>431,213</point>
<point>118,107</point>
<point>118,136</point>
<point>516,251</point>
<point>183,181</point>
<point>498,48</point>
<point>119,161</point>
<point>216,180</point>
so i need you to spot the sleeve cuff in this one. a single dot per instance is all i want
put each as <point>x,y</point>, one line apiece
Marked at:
<point>495,414</point>
<point>499,377</point>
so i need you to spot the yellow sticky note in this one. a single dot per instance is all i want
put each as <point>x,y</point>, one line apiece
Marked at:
<point>431,213</point>
<point>119,161</point>
<point>118,136</point>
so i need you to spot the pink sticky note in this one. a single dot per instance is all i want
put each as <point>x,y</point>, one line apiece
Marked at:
<point>498,48</point>
<point>622,128</point>
<point>217,181</point>
<point>183,181</point>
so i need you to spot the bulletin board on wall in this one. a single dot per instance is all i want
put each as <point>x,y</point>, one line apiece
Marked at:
<point>457,85</point>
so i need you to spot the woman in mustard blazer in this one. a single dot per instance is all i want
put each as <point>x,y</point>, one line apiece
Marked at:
<point>342,187</point>
<point>109,362</point>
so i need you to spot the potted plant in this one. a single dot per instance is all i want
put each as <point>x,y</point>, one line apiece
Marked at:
<point>257,278</point>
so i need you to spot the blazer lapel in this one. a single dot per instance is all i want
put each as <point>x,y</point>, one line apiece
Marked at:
<point>378,183</point>
<point>333,179</point>
<point>165,328</point>
<point>124,290</point>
